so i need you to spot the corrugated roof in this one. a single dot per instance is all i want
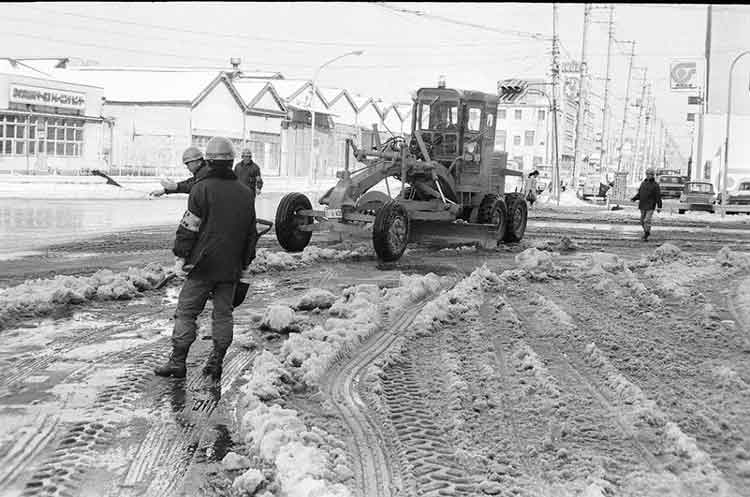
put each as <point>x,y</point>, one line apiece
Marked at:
<point>143,86</point>
<point>249,89</point>
<point>287,88</point>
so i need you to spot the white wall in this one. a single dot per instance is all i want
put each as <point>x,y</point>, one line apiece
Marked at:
<point>369,116</point>
<point>263,124</point>
<point>218,114</point>
<point>162,132</point>
<point>513,127</point>
<point>714,135</point>
<point>345,113</point>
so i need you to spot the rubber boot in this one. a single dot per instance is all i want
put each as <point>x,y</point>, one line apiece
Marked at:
<point>213,367</point>
<point>646,235</point>
<point>175,366</point>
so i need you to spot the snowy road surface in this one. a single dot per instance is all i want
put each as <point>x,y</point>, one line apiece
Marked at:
<point>583,374</point>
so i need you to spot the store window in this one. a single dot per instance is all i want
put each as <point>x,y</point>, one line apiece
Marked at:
<point>22,135</point>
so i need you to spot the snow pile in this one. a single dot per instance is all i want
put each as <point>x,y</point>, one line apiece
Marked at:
<point>42,296</point>
<point>463,249</point>
<point>315,298</point>
<point>534,259</point>
<point>528,360</point>
<point>302,463</point>
<point>568,198</point>
<point>600,263</point>
<point>465,296</point>
<point>729,258</point>
<point>564,244</point>
<point>278,318</point>
<point>269,380</point>
<point>665,253</point>
<point>413,288</point>
<point>249,481</point>
<point>266,260</point>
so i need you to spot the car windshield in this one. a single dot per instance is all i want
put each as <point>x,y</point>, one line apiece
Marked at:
<point>438,115</point>
<point>700,188</point>
<point>670,179</point>
<point>744,187</point>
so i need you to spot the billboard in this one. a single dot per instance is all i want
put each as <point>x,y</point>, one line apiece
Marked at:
<point>683,75</point>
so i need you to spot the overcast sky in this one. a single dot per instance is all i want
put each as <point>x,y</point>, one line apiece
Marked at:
<point>403,51</point>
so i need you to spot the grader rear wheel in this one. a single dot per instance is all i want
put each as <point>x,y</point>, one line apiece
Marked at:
<point>287,224</point>
<point>517,217</point>
<point>499,218</point>
<point>486,207</point>
<point>390,234</point>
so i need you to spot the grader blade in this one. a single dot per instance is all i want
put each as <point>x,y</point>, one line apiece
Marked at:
<point>451,234</point>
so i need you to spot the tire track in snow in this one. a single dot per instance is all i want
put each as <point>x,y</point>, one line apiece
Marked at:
<point>374,469</point>
<point>668,361</point>
<point>553,343</point>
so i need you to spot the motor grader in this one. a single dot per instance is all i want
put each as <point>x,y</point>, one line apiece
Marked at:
<point>452,183</point>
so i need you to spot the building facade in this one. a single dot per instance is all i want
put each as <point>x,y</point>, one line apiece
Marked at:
<point>48,125</point>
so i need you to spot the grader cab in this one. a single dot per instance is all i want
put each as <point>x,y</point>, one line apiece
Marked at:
<point>452,184</point>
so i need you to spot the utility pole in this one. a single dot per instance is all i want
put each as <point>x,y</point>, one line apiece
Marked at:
<point>636,145</point>
<point>604,141</point>
<point>555,84</point>
<point>646,136</point>
<point>627,102</point>
<point>582,96</point>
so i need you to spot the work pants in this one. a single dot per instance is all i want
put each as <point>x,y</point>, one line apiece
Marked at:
<point>191,303</point>
<point>646,216</point>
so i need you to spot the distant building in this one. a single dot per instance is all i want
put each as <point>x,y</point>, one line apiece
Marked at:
<point>48,124</point>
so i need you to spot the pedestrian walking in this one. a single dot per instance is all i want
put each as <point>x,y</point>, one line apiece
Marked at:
<point>248,172</point>
<point>649,198</point>
<point>530,187</point>
<point>214,245</point>
<point>192,157</point>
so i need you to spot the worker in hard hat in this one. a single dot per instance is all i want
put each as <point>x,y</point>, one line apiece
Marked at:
<point>192,157</point>
<point>649,198</point>
<point>214,245</point>
<point>248,172</point>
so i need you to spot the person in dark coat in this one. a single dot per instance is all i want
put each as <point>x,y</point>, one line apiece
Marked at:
<point>649,198</point>
<point>192,157</point>
<point>215,243</point>
<point>248,172</point>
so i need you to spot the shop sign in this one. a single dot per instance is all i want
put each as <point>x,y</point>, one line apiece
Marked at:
<point>619,191</point>
<point>683,75</point>
<point>33,95</point>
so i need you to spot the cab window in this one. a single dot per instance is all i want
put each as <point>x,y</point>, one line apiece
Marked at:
<point>475,119</point>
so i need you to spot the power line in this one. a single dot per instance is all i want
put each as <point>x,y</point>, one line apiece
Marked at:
<point>426,15</point>
<point>131,50</point>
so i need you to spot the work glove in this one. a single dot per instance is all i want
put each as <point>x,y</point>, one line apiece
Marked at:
<point>658,211</point>
<point>258,185</point>
<point>179,267</point>
<point>157,193</point>
<point>168,184</point>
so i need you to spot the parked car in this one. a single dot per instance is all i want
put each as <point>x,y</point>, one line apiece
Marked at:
<point>670,185</point>
<point>697,196</point>
<point>739,199</point>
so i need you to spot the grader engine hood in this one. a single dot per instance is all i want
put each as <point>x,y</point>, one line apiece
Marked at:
<point>340,195</point>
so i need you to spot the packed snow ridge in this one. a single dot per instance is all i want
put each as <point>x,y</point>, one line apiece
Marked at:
<point>42,296</point>
<point>267,260</point>
<point>308,461</point>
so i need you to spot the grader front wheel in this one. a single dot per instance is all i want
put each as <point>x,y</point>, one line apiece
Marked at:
<point>288,221</point>
<point>390,233</point>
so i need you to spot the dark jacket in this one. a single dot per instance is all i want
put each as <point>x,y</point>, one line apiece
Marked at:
<point>248,172</point>
<point>648,196</point>
<point>183,186</point>
<point>217,234</point>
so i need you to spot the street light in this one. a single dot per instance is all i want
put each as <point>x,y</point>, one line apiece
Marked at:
<point>312,109</point>
<point>726,145</point>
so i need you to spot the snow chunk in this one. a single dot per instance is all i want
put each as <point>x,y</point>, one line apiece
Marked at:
<point>302,469</point>
<point>268,379</point>
<point>315,298</point>
<point>599,263</point>
<point>277,318</point>
<point>533,258</point>
<point>666,252</point>
<point>249,481</point>
<point>564,244</point>
<point>233,461</point>
<point>730,258</point>
<point>266,260</point>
